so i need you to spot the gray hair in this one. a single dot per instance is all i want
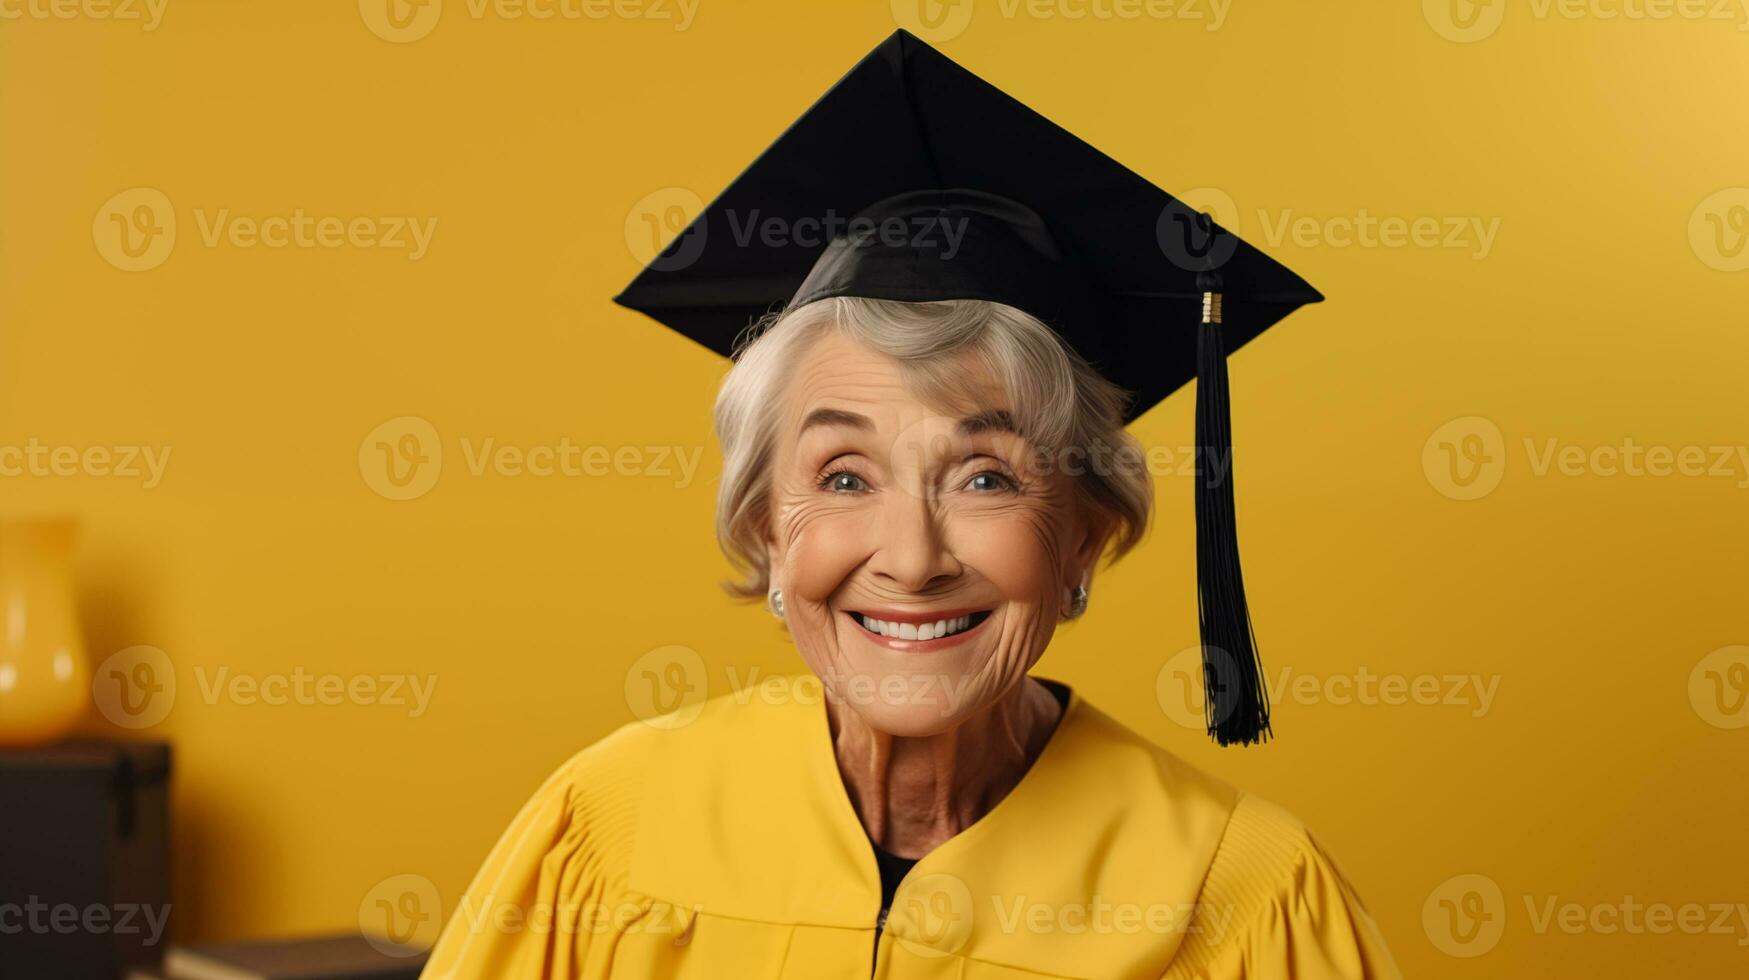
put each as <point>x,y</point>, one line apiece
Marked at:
<point>1060,404</point>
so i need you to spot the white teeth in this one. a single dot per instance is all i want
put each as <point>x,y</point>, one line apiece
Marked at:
<point>916,631</point>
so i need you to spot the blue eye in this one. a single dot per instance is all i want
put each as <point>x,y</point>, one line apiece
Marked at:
<point>843,482</point>
<point>990,480</point>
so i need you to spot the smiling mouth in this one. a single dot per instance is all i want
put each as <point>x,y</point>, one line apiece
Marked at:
<point>932,630</point>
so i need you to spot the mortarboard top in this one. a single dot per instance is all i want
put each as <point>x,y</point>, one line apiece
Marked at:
<point>913,179</point>
<point>906,118</point>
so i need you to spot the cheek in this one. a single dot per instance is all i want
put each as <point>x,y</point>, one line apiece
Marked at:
<point>823,544</point>
<point>1019,550</point>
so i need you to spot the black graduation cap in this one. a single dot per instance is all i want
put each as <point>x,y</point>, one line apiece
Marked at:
<point>913,179</point>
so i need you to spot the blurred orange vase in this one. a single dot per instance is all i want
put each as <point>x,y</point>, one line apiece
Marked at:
<point>44,679</point>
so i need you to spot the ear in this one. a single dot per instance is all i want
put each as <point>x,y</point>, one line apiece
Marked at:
<point>1093,532</point>
<point>774,555</point>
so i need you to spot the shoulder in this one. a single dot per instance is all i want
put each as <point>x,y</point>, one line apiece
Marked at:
<point>611,772</point>
<point>560,873</point>
<point>1253,837</point>
<point>1108,755</point>
<point>596,798</point>
<point>585,813</point>
<point>607,769</point>
<point>1264,851</point>
<point>1269,899</point>
<point>1275,901</point>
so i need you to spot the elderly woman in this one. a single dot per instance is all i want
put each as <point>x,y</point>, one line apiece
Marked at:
<point>922,466</point>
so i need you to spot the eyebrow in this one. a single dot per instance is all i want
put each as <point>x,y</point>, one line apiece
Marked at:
<point>838,417</point>
<point>991,420</point>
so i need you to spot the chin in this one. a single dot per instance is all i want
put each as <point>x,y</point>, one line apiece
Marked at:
<point>908,720</point>
<point>914,688</point>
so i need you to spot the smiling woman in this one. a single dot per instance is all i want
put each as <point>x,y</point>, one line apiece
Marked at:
<point>924,461</point>
<point>921,549</point>
<point>899,462</point>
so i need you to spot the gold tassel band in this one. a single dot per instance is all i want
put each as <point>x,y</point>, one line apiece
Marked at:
<point>1211,307</point>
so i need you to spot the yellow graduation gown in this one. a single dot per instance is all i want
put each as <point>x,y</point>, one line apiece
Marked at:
<point>720,842</point>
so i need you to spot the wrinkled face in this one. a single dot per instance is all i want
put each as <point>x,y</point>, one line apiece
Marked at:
<point>925,557</point>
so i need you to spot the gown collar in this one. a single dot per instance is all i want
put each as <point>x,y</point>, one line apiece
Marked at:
<point>1103,843</point>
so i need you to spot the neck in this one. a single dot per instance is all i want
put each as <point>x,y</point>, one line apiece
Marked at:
<point>913,793</point>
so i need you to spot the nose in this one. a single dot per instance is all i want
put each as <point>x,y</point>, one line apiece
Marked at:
<point>911,547</point>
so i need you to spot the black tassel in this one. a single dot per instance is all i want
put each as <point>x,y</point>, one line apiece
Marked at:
<point>1236,702</point>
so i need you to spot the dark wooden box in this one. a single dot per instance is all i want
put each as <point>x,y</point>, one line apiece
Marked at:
<point>84,859</point>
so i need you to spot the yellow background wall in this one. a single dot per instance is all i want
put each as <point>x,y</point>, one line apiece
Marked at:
<point>1607,309</point>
